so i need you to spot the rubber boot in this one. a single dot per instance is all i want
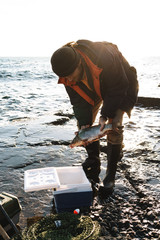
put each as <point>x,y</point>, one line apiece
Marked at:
<point>114,154</point>
<point>91,165</point>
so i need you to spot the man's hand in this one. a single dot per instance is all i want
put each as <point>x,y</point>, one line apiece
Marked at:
<point>82,127</point>
<point>117,120</point>
<point>102,122</point>
<point>85,126</point>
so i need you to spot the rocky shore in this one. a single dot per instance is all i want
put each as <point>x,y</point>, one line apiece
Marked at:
<point>132,211</point>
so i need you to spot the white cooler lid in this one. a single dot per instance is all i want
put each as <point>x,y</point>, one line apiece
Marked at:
<point>40,179</point>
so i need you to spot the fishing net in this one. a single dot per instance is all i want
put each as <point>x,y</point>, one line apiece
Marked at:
<point>71,227</point>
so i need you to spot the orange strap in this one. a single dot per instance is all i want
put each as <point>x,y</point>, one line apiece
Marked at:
<point>95,71</point>
<point>73,85</point>
<point>83,94</point>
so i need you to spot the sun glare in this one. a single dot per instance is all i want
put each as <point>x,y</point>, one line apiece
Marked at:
<point>37,28</point>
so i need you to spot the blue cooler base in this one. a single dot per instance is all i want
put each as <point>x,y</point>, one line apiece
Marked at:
<point>70,201</point>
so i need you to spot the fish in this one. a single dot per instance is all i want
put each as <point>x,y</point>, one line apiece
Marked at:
<point>89,134</point>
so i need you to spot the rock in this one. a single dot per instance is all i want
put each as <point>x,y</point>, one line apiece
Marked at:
<point>102,238</point>
<point>114,230</point>
<point>149,102</point>
<point>151,215</point>
<point>124,223</point>
<point>96,215</point>
<point>104,224</point>
<point>92,216</point>
<point>128,237</point>
<point>104,231</point>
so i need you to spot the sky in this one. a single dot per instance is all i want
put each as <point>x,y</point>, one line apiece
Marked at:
<point>39,27</point>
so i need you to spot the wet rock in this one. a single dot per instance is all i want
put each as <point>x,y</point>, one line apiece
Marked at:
<point>104,231</point>
<point>138,227</point>
<point>104,224</point>
<point>131,233</point>
<point>128,237</point>
<point>60,121</point>
<point>124,223</point>
<point>102,238</point>
<point>96,215</point>
<point>92,216</point>
<point>114,231</point>
<point>119,237</point>
<point>145,221</point>
<point>156,235</point>
<point>150,215</point>
<point>124,235</point>
<point>96,208</point>
<point>134,223</point>
<point>62,114</point>
<point>149,102</point>
<point>157,224</point>
<point>105,238</point>
<point>140,233</point>
<point>150,204</point>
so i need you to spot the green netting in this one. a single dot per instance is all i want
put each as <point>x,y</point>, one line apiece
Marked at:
<point>73,227</point>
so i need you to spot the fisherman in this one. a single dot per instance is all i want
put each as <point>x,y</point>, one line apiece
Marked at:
<point>96,74</point>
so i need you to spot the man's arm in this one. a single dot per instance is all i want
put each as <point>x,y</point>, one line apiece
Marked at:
<point>82,109</point>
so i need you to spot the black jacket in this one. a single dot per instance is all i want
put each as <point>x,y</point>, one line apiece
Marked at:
<point>118,82</point>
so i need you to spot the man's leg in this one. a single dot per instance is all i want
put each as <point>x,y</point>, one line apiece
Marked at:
<point>91,165</point>
<point>114,155</point>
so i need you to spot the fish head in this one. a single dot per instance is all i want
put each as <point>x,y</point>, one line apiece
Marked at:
<point>77,141</point>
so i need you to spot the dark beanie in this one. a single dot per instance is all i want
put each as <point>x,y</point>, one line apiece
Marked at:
<point>64,61</point>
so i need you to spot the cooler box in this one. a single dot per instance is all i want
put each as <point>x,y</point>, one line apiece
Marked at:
<point>75,190</point>
<point>71,186</point>
<point>12,206</point>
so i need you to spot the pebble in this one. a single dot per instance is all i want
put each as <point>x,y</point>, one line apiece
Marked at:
<point>121,219</point>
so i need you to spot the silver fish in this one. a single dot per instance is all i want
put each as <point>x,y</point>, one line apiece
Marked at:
<point>90,134</point>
